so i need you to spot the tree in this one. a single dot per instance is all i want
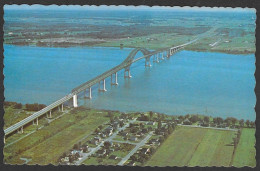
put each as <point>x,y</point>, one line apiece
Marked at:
<point>97,130</point>
<point>100,127</point>
<point>252,124</point>
<point>76,146</point>
<point>107,144</point>
<point>151,115</point>
<point>159,124</point>
<point>187,116</point>
<point>247,123</point>
<point>18,106</point>
<point>170,129</point>
<point>133,158</point>
<point>241,122</point>
<point>181,118</point>
<point>206,119</point>
<point>194,118</point>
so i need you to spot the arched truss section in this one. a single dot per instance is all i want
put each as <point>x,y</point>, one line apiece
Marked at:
<point>133,53</point>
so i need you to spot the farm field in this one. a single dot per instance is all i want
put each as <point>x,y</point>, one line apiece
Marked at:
<point>195,147</point>
<point>47,144</point>
<point>245,152</point>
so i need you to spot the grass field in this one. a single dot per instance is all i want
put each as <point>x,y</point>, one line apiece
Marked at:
<point>245,152</point>
<point>46,145</point>
<point>195,147</point>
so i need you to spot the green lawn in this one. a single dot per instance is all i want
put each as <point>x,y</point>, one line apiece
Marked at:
<point>46,145</point>
<point>245,152</point>
<point>195,147</point>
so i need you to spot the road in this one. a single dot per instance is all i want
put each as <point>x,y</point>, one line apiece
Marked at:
<point>93,150</point>
<point>140,144</point>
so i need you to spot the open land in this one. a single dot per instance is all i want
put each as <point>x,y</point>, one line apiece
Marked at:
<point>94,137</point>
<point>226,34</point>
<point>245,152</point>
<point>195,147</point>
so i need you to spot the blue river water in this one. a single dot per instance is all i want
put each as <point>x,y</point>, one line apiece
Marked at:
<point>215,84</point>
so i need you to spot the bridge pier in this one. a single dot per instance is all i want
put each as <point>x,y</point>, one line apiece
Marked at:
<point>162,56</point>
<point>89,96</point>
<point>104,86</point>
<point>149,63</point>
<point>75,100</point>
<point>115,83</point>
<point>62,107</point>
<point>20,130</point>
<point>36,120</point>
<point>127,75</point>
<point>157,58</point>
<point>154,58</point>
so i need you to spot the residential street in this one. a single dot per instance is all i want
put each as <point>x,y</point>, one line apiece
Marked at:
<point>93,150</point>
<point>140,144</point>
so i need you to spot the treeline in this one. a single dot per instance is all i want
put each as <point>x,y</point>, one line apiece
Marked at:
<point>28,107</point>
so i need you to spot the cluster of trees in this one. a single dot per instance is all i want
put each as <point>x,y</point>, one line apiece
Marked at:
<point>229,121</point>
<point>14,104</point>
<point>34,107</point>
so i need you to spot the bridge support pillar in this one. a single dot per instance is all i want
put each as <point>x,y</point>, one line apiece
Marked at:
<point>75,101</point>
<point>162,56</point>
<point>157,58</point>
<point>154,58</point>
<point>147,61</point>
<point>127,75</point>
<point>35,122</point>
<point>4,139</point>
<point>114,83</point>
<point>104,86</point>
<point>62,107</point>
<point>20,130</point>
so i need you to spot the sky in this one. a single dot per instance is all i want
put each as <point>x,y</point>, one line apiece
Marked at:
<point>122,7</point>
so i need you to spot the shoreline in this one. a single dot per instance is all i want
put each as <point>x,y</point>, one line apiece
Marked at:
<point>100,46</point>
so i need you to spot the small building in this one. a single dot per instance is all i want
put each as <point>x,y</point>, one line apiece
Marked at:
<point>93,141</point>
<point>133,138</point>
<point>145,150</point>
<point>101,152</point>
<point>124,134</point>
<point>102,135</point>
<point>187,122</point>
<point>113,157</point>
<point>97,138</point>
<point>131,163</point>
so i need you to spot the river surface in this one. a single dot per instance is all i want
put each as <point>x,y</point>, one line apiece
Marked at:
<point>215,84</point>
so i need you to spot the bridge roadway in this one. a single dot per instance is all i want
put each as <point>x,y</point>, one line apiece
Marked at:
<point>125,64</point>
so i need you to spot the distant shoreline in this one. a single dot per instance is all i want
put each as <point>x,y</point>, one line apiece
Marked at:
<point>97,45</point>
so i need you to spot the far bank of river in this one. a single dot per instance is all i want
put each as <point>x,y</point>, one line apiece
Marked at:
<point>208,83</point>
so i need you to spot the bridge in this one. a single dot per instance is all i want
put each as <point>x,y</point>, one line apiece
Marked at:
<point>157,55</point>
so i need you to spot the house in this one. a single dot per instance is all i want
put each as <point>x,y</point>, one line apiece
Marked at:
<point>144,130</point>
<point>133,138</point>
<point>124,134</point>
<point>101,152</point>
<point>93,141</point>
<point>111,150</point>
<point>102,135</point>
<point>145,150</point>
<point>131,163</point>
<point>113,157</point>
<point>139,134</point>
<point>97,138</point>
<point>187,122</point>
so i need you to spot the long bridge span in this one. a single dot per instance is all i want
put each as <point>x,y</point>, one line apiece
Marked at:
<point>101,80</point>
